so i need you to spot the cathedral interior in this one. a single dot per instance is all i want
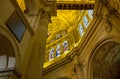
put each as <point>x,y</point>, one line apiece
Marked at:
<point>59,39</point>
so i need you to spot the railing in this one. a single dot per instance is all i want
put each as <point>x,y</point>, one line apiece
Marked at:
<point>9,74</point>
<point>76,2</point>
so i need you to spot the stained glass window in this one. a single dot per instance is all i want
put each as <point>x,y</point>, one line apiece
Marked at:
<point>51,54</point>
<point>85,21</point>
<point>90,12</point>
<point>65,46</point>
<point>58,52</point>
<point>81,30</point>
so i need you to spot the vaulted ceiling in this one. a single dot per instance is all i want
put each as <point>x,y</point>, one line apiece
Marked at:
<point>64,20</point>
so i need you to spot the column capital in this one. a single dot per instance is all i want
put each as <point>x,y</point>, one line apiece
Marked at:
<point>45,14</point>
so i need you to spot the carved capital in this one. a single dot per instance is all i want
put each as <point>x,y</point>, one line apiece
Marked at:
<point>45,15</point>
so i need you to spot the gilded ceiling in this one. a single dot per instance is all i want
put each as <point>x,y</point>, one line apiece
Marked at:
<point>64,20</point>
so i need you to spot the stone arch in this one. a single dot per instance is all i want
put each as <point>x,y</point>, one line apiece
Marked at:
<point>104,62</point>
<point>7,55</point>
<point>9,43</point>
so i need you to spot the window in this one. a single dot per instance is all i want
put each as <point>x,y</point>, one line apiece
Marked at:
<point>81,31</point>
<point>86,23</point>
<point>51,54</point>
<point>65,46</point>
<point>16,25</point>
<point>58,52</point>
<point>90,12</point>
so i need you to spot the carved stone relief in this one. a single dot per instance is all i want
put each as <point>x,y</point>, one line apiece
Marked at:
<point>106,62</point>
<point>108,26</point>
<point>115,4</point>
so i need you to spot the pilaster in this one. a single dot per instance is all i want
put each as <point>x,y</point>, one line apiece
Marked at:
<point>37,48</point>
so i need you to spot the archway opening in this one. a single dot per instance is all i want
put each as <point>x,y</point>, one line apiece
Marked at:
<point>106,62</point>
<point>7,57</point>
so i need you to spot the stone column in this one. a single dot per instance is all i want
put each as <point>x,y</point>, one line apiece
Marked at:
<point>37,49</point>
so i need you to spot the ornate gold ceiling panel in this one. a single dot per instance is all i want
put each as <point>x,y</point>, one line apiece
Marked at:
<point>64,20</point>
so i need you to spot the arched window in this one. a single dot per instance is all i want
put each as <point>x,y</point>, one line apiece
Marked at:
<point>58,52</point>
<point>65,46</point>
<point>85,20</point>
<point>81,30</point>
<point>51,54</point>
<point>90,13</point>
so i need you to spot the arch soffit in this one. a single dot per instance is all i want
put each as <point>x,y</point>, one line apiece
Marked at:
<point>7,35</point>
<point>99,44</point>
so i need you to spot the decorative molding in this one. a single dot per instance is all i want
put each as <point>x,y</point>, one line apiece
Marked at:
<point>57,64</point>
<point>115,4</point>
<point>74,6</point>
<point>10,73</point>
<point>108,26</point>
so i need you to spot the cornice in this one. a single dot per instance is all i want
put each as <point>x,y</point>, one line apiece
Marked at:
<point>57,63</point>
<point>89,33</point>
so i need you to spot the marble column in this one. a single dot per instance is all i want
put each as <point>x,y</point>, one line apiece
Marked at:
<point>37,48</point>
